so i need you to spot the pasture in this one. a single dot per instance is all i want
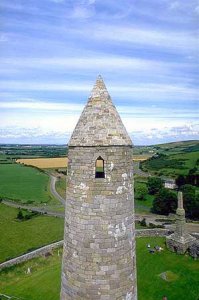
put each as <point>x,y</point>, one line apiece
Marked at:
<point>171,165</point>
<point>45,163</point>
<point>25,184</point>
<point>181,276</point>
<point>18,237</point>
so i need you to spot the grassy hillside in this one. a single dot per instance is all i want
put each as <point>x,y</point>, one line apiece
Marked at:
<point>17,237</point>
<point>25,184</point>
<point>182,276</point>
<point>173,159</point>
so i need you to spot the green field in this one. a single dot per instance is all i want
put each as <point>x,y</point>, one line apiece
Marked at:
<point>182,282</point>
<point>17,237</point>
<point>42,284</point>
<point>44,280</point>
<point>24,184</point>
<point>173,159</point>
<point>11,152</point>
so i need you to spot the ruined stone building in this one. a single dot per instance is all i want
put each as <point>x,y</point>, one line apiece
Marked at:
<point>180,240</point>
<point>99,241</point>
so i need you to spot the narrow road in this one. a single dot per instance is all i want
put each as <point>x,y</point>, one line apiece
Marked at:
<point>41,210</point>
<point>138,171</point>
<point>53,191</point>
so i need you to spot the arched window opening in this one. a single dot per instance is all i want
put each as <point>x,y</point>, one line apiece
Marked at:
<point>99,168</point>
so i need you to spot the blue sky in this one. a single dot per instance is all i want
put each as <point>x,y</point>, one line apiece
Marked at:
<point>53,50</point>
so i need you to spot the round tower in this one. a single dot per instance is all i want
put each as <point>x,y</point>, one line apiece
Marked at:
<point>99,239</point>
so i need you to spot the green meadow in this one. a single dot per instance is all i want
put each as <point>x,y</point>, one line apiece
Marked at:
<point>174,159</point>
<point>19,237</point>
<point>24,184</point>
<point>180,275</point>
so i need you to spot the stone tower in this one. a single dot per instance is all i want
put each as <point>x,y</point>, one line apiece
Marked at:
<point>180,240</point>
<point>99,240</point>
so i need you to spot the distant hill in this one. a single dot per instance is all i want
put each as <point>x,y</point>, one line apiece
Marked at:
<point>172,159</point>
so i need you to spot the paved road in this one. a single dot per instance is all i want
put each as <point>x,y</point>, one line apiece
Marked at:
<point>138,171</point>
<point>53,191</point>
<point>41,210</point>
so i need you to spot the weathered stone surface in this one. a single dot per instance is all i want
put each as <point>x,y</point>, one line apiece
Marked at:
<point>194,249</point>
<point>180,240</point>
<point>30,255</point>
<point>99,246</point>
<point>99,123</point>
<point>152,232</point>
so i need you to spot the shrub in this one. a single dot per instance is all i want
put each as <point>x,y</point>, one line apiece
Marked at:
<point>165,202</point>
<point>154,185</point>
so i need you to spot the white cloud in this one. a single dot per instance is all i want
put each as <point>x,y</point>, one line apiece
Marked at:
<point>146,91</point>
<point>91,62</point>
<point>197,9</point>
<point>91,2</point>
<point>39,105</point>
<point>170,40</point>
<point>81,12</point>
<point>3,38</point>
<point>174,5</point>
<point>58,1</point>
<point>39,134</point>
<point>166,134</point>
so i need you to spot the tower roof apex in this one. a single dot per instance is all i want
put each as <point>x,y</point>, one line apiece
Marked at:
<point>100,123</point>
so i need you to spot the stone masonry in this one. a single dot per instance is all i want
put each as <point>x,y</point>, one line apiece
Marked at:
<point>180,240</point>
<point>99,242</point>
<point>30,255</point>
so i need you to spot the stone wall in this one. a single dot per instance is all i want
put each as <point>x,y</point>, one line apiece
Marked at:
<point>45,249</point>
<point>30,255</point>
<point>152,232</point>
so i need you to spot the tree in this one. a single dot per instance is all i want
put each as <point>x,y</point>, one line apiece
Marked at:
<point>193,177</point>
<point>141,192</point>
<point>20,215</point>
<point>180,180</point>
<point>191,201</point>
<point>154,185</point>
<point>165,202</point>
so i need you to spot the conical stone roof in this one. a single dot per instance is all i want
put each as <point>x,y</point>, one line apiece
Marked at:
<point>100,123</point>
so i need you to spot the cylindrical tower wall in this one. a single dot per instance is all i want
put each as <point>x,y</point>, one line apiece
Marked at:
<point>99,248</point>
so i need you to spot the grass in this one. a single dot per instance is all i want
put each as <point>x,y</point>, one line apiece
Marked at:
<point>17,237</point>
<point>61,186</point>
<point>42,283</point>
<point>24,184</point>
<point>181,272</point>
<point>173,160</point>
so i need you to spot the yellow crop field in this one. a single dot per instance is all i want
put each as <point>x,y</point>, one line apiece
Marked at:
<point>140,157</point>
<point>45,163</point>
<point>61,162</point>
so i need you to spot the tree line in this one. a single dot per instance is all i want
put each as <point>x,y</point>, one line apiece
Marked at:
<point>165,200</point>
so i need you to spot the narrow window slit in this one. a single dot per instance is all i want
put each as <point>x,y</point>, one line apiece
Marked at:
<point>99,168</point>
